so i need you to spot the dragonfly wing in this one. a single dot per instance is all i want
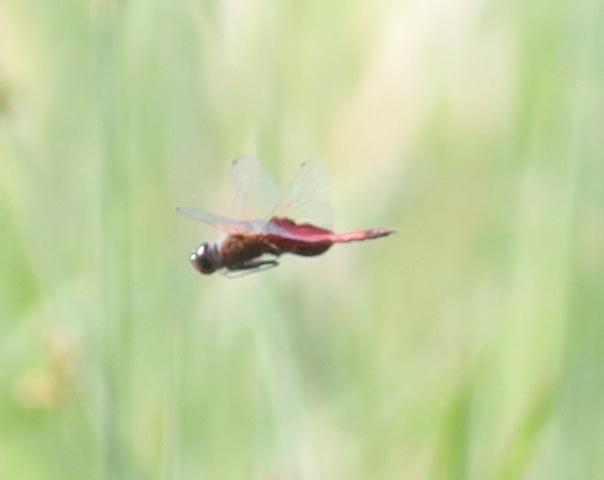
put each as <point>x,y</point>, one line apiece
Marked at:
<point>255,191</point>
<point>219,222</point>
<point>308,196</point>
<point>253,266</point>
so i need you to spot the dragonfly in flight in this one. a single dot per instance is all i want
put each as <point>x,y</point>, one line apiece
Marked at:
<point>299,224</point>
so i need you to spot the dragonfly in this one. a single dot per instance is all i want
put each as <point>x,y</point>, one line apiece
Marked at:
<point>252,240</point>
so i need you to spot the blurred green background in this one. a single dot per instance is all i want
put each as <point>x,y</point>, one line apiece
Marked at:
<point>468,346</point>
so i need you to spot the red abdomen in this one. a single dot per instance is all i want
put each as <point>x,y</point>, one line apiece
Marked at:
<point>302,240</point>
<point>309,240</point>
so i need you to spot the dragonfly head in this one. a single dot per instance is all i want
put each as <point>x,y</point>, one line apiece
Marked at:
<point>204,259</point>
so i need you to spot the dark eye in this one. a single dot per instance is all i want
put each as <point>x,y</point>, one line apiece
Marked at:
<point>201,260</point>
<point>206,265</point>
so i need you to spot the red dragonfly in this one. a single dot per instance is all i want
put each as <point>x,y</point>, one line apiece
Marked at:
<point>298,225</point>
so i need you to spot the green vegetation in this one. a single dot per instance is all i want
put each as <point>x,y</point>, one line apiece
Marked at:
<point>468,346</point>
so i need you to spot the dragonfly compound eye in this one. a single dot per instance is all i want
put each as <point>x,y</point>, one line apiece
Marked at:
<point>201,260</point>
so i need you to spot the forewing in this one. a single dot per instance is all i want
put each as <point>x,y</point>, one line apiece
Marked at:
<point>255,191</point>
<point>308,196</point>
<point>219,222</point>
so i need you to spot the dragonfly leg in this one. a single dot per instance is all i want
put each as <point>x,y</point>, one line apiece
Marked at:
<point>253,266</point>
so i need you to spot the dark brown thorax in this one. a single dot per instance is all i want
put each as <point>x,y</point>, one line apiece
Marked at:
<point>238,248</point>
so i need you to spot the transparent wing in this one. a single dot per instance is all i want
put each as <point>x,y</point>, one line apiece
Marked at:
<point>219,222</point>
<point>255,191</point>
<point>260,264</point>
<point>308,196</point>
